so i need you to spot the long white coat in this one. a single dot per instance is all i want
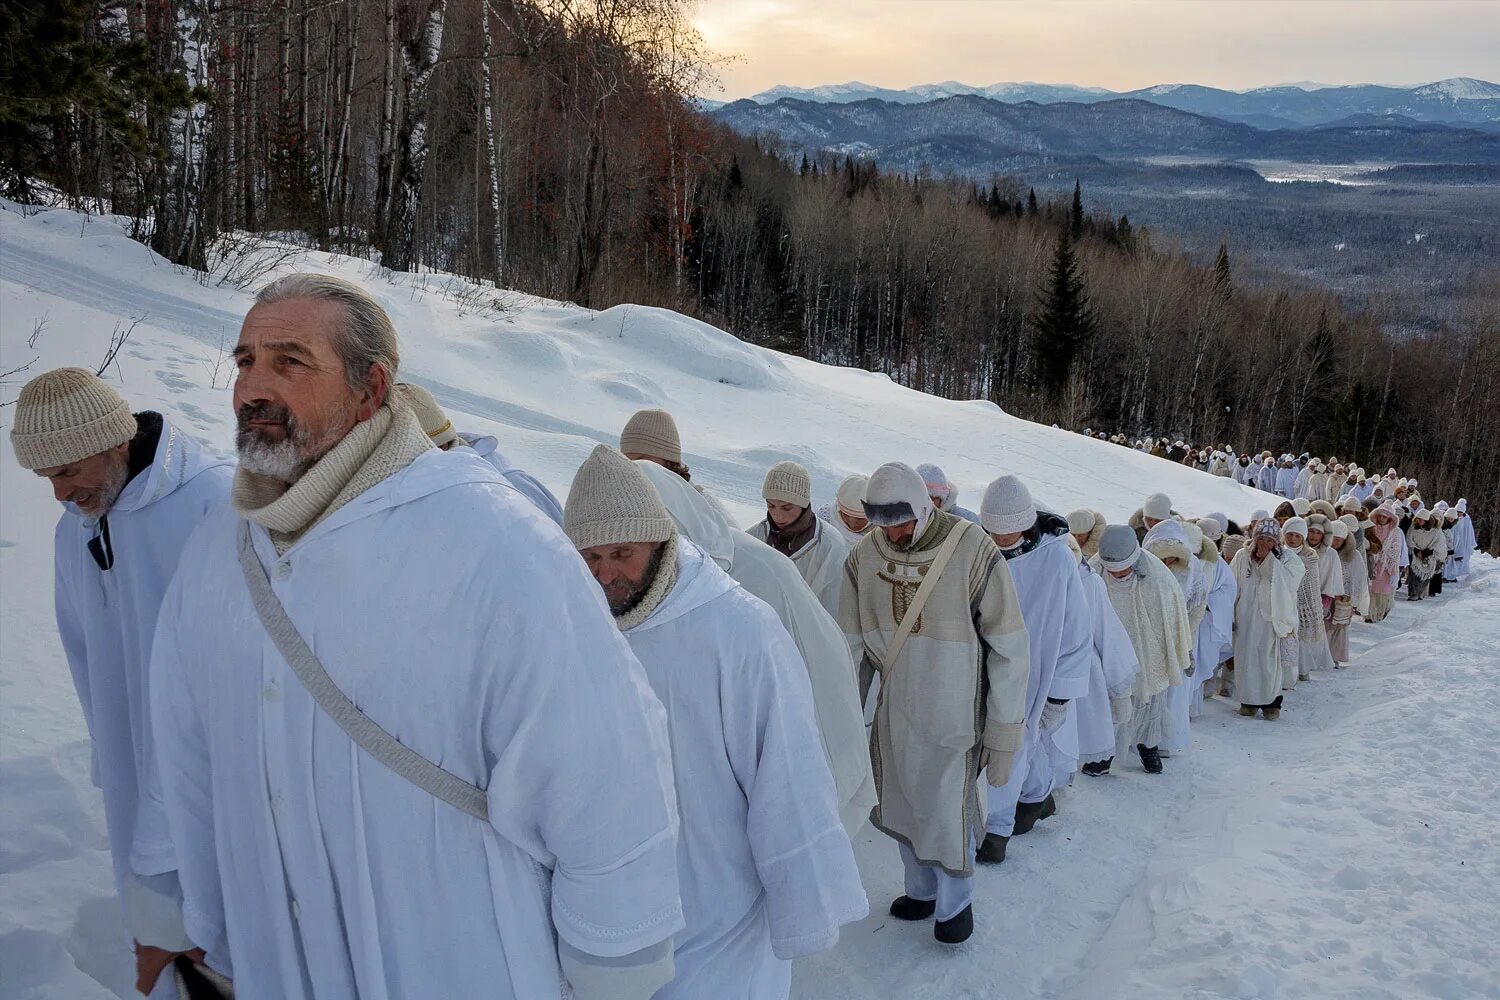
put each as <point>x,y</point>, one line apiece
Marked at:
<point>1112,670</point>
<point>1464,544</point>
<point>767,872</point>
<point>106,620</point>
<point>820,561</point>
<point>1265,612</point>
<point>1214,631</point>
<point>528,485</point>
<point>1056,612</point>
<point>769,576</point>
<point>456,615</point>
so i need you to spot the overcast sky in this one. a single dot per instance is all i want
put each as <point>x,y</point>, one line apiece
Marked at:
<point>1119,44</point>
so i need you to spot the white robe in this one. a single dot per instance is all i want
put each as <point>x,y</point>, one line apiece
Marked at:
<point>1330,573</point>
<point>767,872</point>
<point>460,618</point>
<point>529,486</point>
<point>106,620</point>
<point>820,561</point>
<point>1214,631</point>
<point>1265,612</point>
<point>768,575</point>
<point>1464,544</point>
<point>1056,612</point>
<point>1112,670</point>
<point>1299,485</point>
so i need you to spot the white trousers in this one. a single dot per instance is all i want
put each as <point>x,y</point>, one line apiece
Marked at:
<point>931,884</point>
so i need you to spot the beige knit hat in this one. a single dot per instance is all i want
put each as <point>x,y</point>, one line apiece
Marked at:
<point>435,423</point>
<point>613,503</point>
<point>654,433</point>
<point>788,482</point>
<point>67,415</point>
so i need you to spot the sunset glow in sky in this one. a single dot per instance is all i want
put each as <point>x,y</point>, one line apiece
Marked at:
<point>1119,44</point>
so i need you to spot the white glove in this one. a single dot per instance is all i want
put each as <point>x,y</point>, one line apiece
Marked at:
<point>997,765</point>
<point>1053,714</point>
<point>1121,709</point>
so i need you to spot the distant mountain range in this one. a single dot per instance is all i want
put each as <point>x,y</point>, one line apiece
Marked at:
<point>973,135</point>
<point>1462,100</point>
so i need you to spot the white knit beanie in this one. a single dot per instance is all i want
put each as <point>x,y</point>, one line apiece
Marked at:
<point>788,482</point>
<point>851,495</point>
<point>67,415</point>
<point>435,423</point>
<point>1210,528</point>
<point>1294,526</point>
<point>654,433</point>
<point>1007,507</point>
<point>1158,507</point>
<point>1338,529</point>
<point>1081,521</point>
<point>612,503</point>
<point>1301,506</point>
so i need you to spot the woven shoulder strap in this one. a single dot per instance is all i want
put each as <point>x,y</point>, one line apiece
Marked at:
<point>360,728</point>
<point>924,591</point>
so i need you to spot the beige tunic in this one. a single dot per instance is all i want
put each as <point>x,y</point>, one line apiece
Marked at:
<point>957,686</point>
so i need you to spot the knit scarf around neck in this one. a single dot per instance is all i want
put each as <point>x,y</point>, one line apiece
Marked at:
<point>790,540</point>
<point>372,452</point>
<point>661,586</point>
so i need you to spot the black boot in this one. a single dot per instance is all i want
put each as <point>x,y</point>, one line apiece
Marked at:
<point>906,908</point>
<point>1150,758</point>
<point>1027,814</point>
<point>957,930</point>
<point>1098,767</point>
<point>992,851</point>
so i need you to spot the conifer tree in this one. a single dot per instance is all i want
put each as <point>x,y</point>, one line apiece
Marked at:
<point>1031,208</point>
<point>1223,280</point>
<point>1064,322</point>
<point>1076,227</point>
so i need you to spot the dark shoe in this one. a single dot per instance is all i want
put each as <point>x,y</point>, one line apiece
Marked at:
<point>957,930</point>
<point>1027,814</point>
<point>906,908</point>
<point>1272,714</point>
<point>1097,768</point>
<point>1150,758</point>
<point>1248,711</point>
<point>992,851</point>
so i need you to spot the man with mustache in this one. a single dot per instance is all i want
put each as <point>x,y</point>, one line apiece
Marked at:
<point>133,488</point>
<point>508,827</point>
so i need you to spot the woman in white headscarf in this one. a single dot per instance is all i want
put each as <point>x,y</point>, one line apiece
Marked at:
<point>1265,616</point>
<point>1343,547</point>
<point>846,512</point>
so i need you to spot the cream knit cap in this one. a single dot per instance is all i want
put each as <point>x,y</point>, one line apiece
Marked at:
<point>1081,521</point>
<point>67,415</point>
<point>1210,528</point>
<point>613,503</point>
<point>435,423</point>
<point>654,433</point>
<point>788,482</point>
<point>1158,507</point>
<point>851,495</point>
<point>1007,507</point>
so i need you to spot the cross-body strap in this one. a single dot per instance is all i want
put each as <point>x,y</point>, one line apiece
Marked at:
<point>360,728</point>
<point>924,591</point>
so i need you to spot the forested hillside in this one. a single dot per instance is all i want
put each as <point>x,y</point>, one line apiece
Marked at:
<point>553,147</point>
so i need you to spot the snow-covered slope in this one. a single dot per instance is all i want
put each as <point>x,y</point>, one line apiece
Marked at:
<point>551,380</point>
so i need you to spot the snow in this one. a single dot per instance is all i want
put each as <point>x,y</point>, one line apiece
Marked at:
<point>1462,88</point>
<point>1345,851</point>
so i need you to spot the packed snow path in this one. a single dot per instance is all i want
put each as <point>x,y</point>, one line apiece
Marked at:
<point>1347,850</point>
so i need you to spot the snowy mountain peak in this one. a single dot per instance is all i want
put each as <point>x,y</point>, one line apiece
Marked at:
<point>1461,88</point>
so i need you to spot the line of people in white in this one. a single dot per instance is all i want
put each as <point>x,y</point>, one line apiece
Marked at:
<point>375,716</point>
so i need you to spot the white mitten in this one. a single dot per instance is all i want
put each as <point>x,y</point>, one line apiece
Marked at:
<point>1053,714</point>
<point>1121,709</point>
